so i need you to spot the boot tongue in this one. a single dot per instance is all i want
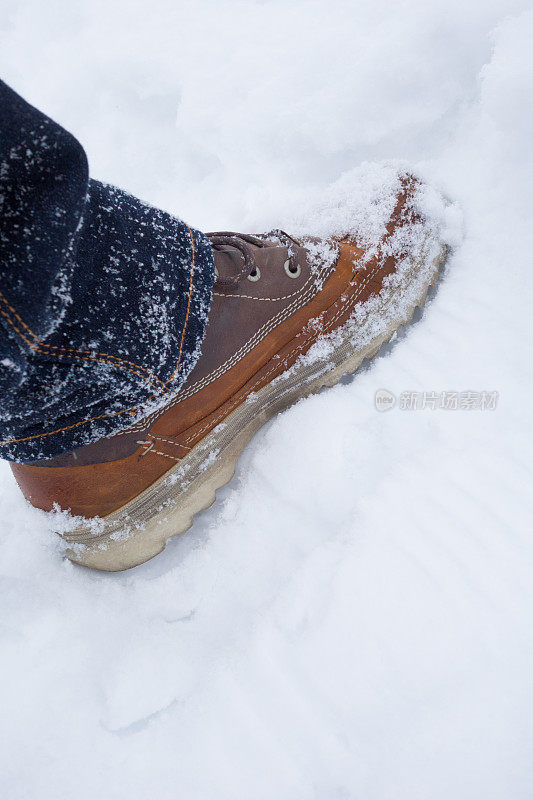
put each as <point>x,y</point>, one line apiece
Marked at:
<point>242,243</point>
<point>228,264</point>
<point>251,250</point>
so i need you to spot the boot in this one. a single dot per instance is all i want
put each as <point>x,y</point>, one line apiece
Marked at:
<point>288,316</point>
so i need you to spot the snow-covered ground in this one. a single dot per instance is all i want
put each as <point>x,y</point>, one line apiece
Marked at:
<point>352,618</point>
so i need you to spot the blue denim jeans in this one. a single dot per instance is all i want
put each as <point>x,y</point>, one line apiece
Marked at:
<point>103,299</point>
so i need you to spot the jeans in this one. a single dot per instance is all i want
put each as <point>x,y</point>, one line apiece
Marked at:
<point>103,298</point>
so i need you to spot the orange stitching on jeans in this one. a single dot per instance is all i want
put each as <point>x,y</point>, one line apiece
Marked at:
<point>124,410</point>
<point>191,278</point>
<point>17,317</point>
<point>101,360</point>
<point>36,349</point>
<point>30,344</point>
<point>153,378</point>
<point>90,356</point>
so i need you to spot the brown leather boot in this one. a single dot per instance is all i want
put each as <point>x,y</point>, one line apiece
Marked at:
<point>288,317</point>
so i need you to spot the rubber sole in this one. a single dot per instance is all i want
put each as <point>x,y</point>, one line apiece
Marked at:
<point>139,530</point>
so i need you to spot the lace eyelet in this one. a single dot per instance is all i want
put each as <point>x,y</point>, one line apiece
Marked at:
<point>292,273</point>
<point>255,275</point>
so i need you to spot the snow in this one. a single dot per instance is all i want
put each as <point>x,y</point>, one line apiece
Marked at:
<point>352,618</point>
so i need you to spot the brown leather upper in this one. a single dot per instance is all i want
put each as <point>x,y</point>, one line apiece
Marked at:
<point>256,330</point>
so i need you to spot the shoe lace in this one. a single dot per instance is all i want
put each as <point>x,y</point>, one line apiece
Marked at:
<point>243,242</point>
